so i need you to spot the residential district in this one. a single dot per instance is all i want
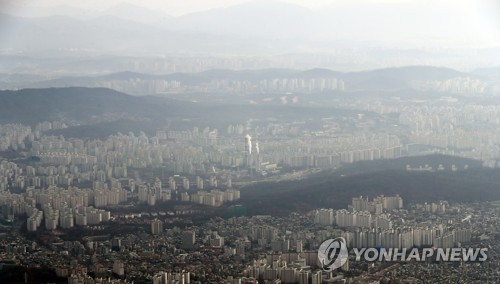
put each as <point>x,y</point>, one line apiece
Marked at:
<point>164,207</point>
<point>162,247</point>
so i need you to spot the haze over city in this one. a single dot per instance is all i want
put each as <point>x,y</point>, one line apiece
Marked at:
<point>440,33</point>
<point>245,142</point>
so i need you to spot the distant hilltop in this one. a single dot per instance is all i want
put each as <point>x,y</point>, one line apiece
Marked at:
<point>419,78</point>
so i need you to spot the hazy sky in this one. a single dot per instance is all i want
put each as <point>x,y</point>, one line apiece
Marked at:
<point>465,21</point>
<point>179,7</point>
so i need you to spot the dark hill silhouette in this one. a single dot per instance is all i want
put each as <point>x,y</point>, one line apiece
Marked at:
<point>335,189</point>
<point>79,104</point>
<point>99,112</point>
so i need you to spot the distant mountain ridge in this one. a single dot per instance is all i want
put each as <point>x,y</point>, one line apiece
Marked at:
<point>251,27</point>
<point>106,34</point>
<point>381,79</point>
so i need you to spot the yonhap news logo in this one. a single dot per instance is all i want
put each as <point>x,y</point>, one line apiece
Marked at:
<point>333,254</point>
<point>414,254</point>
